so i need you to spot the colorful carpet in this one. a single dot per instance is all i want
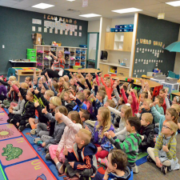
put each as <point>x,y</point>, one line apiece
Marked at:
<point>18,160</point>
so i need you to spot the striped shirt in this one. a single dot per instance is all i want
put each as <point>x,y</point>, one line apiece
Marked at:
<point>60,63</point>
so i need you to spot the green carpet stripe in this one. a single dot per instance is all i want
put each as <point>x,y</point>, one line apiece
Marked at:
<point>3,172</point>
<point>141,155</point>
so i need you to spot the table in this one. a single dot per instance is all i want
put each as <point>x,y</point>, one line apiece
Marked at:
<point>22,62</point>
<point>25,71</point>
<point>88,70</point>
<point>146,77</point>
<point>176,94</point>
<point>152,84</point>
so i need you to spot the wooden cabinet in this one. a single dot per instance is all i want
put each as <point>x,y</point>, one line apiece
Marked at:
<point>127,44</point>
<point>123,71</point>
<point>120,41</point>
<point>109,41</point>
<point>104,68</point>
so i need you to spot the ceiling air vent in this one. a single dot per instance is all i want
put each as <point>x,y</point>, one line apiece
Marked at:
<point>72,10</point>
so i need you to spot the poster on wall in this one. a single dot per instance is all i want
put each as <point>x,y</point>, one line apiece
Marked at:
<point>33,28</point>
<point>36,21</point>
<point>50,30</point>
<point>80,28</point>
<point>75,33</point>
<point>80,34</point>
<point>45,30</point>
<point>39,29</point>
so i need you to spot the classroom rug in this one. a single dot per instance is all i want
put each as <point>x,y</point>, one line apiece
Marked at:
<point>8,131</point>
<point>142,158</point>
<point>3,118</point>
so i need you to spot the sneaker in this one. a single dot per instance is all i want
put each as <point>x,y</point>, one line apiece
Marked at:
<point>36,140</point>
<point>135,169</point>
<point>48,157</point>
<point>11,120</point>
<point>164,169</point>
<point>33,131</point>
<point>27,125</point>
<point>21,128</point>
<point>149,159</point>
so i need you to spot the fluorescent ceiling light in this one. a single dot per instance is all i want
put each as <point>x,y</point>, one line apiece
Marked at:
<point>42,6</point>
<point>70,0</point>
<point>128,10</point>
<point>89,15</point>
<point>173,3</point>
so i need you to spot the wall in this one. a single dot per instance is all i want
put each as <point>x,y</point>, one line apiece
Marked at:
<point>16,30</point>
<point>177,59</point>
<point>93,26</point>
<point>154,56</point>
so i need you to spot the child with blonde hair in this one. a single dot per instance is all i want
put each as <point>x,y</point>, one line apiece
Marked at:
<point>43,128</point>
<point>164,153</point>
<point>102,125</point>
<point>73,125</point>
<point>125,113</point>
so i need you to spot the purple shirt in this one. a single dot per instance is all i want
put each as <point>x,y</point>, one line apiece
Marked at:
<point>3,90</point>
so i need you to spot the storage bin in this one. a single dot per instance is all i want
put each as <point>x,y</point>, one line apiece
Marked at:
<point>83,52</point>
<point>31,54</point>
<point>117,26</point>
<point>121,26</point>
<point>83,46</point>
<point>121,30</point>
<point>130,26</point>
<point>160,81</point>
<point>66,52</point>
<point>78,57</point>
<point>112,29</point>
<point>83,63</point>
<point>32,59</point>
<point>83,57</point>
<point>78,51</point>
<point>29,51</point>
<point>117,30</point>
<point>128,30</point>
<point>77,67</point>
<point>171,87</point>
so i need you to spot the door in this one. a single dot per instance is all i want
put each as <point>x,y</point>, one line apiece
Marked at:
<point>93,41</point>
<point>109,41</point>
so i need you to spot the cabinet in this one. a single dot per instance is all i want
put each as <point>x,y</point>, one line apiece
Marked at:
<point>123,71</point>
<point>109,41</point>
<point>120,41</point>
<point>127,44</point>
<point>104,68</point>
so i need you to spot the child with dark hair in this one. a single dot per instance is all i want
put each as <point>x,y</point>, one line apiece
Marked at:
<point>117,166</point>
<point>131,143</point>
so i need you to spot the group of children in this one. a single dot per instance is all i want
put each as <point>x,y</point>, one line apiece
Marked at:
<point>84,120</point>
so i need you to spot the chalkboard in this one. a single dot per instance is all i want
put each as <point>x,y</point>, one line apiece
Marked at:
<point>16,30</point>
<point>153,36</point>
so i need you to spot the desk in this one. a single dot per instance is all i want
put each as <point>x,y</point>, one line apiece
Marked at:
<point>147,77</point>
<point>88,70</point>
<point>25,71</point>
<point>176,94</point>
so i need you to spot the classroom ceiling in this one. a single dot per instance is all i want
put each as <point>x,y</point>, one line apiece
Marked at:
<point>102,7</point>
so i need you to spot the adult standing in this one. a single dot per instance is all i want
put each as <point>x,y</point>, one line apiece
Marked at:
<point>57,66</point>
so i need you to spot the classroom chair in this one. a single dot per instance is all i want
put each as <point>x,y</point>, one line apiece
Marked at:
<point>156,90</point>
<point>171,96</point>
<point>11,72</point>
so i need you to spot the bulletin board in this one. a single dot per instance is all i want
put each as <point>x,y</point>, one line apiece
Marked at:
<point>153,36</point>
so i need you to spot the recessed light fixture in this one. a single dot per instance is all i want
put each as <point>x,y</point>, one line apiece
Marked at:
<point>128,10</point>
<point>89,15</point>
<point>70,0</point>
<point>173,3</point>
<point>43,6</point>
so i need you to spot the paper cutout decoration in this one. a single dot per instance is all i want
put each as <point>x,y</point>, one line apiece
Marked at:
<point>39,29</point>
<point>50,30</point>
<point>45,30</point>
<point>80,28</point>
<point>80,34</point>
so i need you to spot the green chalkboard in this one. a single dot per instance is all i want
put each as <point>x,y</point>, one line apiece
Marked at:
<point>15,34</point>
<point>152,36</point>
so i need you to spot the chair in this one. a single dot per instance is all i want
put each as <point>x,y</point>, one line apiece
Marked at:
<point>156,90</point>
<point>171,96</point>
<point>11,72</point>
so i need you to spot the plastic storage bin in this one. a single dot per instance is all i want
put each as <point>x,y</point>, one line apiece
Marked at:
<point>121,30</point>
<point>121,26</point>
<point>78,51</point>
<point>117,26</point>
<point>160,81</point>
<point>83,46</point>
<point>29,51</point>
<point>82,57</point>
<point>112,29</point>
<point>77,67</point>
<point>78,57</point>
<point>171,87</point>
<point>117,30</point>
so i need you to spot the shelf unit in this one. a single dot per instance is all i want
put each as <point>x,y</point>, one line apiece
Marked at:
<point>72,55</point>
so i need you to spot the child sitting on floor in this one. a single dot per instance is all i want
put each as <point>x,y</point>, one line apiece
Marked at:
<point>84,165</point>
<point>131,143</point>
<point>164,153</point>
<point>73,125</point>
<point>147,131</point>
<point>117,166</point>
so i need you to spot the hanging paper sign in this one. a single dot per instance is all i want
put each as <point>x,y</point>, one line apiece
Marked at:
<point>85,3</point>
